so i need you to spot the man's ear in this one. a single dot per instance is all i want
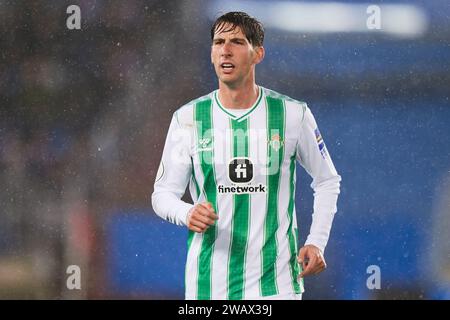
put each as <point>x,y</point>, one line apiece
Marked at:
<point>260,52</point>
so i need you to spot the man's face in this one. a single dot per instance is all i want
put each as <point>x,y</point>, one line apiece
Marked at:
<point>233,56</point>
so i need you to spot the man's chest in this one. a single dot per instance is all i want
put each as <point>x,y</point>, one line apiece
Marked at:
<point>242,154</point>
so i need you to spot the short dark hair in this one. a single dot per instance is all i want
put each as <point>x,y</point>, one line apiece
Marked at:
<point>252,28</point>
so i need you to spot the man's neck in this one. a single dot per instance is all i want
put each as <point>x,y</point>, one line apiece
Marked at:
<point>238,98</point>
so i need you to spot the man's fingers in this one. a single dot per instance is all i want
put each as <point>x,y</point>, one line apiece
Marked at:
<point>196,229</point>
<point>205,220</point>
<point>212,215</point>
<point>198,224</point>
<point>201,211</point>
<point>207,210</point>
<point>312,261</point>
<point>303,261</point>
<point>208,206</point>
<point>320,266</point>
<point>301,256</point>
<point>201,217</point>
<point>315,266</point>
<point>311,265</point>
<point>308,267</point>
<point>205,216</point>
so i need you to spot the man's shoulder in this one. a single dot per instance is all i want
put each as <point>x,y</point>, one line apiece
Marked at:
<point>190,105</point>
<point>184,114</point>
<point>276,95</point>
<point>288,101</point>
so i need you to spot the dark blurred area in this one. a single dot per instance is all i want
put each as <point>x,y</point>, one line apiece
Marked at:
<point>84,115</point>
<point>83,119</point>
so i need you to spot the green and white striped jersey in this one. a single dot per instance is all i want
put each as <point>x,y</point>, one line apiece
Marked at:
<point>244,163</point>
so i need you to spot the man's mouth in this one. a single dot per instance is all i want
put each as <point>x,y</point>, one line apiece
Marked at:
<point>227,66</point>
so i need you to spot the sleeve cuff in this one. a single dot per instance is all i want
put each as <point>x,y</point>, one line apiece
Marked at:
<point>182,213</point>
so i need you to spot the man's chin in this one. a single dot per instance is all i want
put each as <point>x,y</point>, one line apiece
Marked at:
<point>229,81</point>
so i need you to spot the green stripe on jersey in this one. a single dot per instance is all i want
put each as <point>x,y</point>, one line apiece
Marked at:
<point>197,190</point>
<point>240,221</point>
<point>293,264</point>
<point>204,122</point>
<point>275,151</point>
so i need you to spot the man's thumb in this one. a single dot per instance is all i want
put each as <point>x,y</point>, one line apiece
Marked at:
<point>301,256</point>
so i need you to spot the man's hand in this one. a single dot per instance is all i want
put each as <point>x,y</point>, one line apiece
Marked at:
<point>311,259</point>
<point>201,216</point>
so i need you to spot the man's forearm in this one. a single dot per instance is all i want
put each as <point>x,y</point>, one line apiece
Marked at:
<point>325,200</point>
<point>170,208</point>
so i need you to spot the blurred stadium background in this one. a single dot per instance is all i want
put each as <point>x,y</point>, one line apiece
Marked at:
<point>84,114</point>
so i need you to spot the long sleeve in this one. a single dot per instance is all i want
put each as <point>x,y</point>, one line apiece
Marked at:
<point>314,157</point>
<point>173,175</point>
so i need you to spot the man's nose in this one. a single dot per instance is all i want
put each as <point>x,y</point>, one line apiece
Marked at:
<point>226,50</point>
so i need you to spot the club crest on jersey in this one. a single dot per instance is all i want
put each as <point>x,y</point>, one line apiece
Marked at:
<point>275,142</point>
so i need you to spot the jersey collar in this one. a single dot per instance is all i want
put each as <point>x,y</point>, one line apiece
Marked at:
<point>240,117</point>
